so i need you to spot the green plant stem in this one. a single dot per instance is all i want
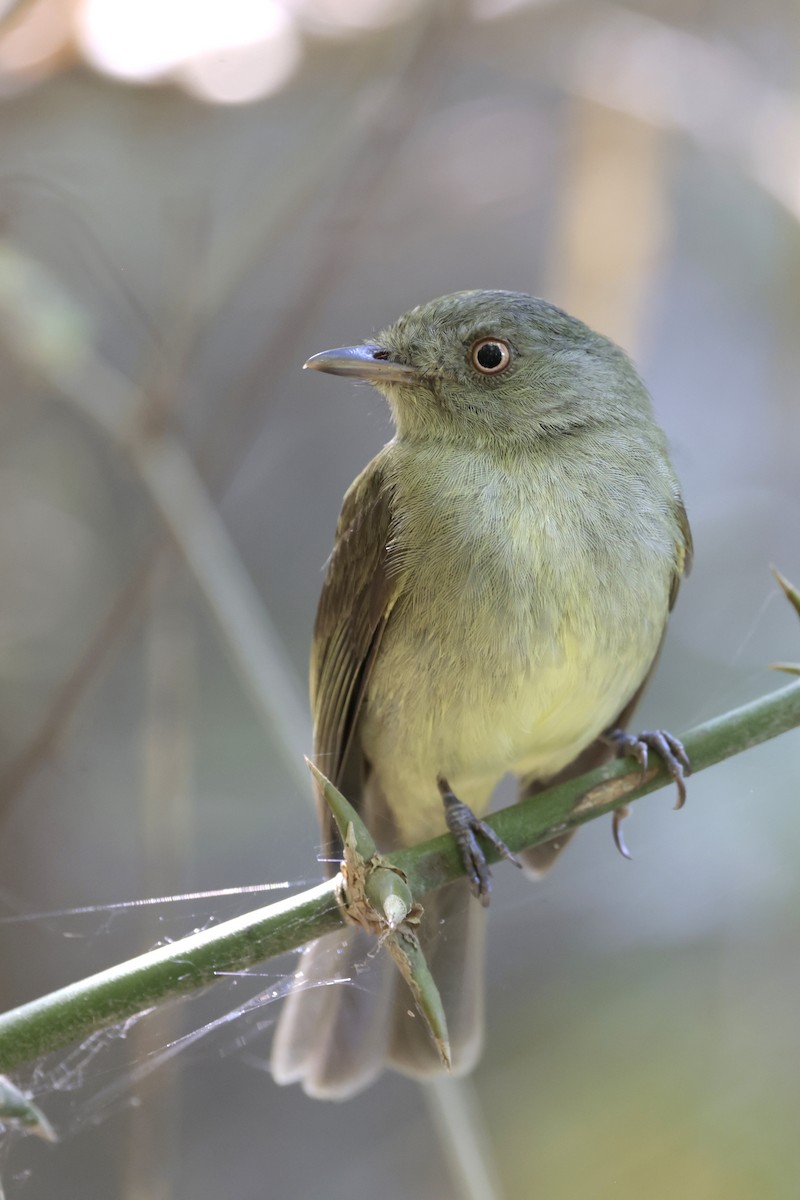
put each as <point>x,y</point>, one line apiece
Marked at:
<point>73,1012</point>
<point>119,992</point>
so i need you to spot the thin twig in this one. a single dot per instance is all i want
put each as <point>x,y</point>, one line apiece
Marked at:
<point>51,335</point>
<point>355,160</point>
<point>455,1109</point>
<point>126,605</point>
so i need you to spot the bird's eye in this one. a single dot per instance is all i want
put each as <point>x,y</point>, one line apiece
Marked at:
<point>490,356</point>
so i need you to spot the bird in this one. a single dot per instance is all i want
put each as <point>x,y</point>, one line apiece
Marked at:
<point>495,602</point>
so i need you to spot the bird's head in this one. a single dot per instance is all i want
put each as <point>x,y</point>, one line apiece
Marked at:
<point>493,367</point>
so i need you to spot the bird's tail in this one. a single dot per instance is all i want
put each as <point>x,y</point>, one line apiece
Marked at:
<point>350,1014</point>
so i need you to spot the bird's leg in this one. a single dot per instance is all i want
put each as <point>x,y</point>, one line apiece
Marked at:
<point>464,826</point>
<point>668,749</point>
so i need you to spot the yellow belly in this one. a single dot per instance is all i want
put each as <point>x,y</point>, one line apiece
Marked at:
<point>474,724</point>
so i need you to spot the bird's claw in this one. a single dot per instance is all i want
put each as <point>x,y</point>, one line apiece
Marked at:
<point>465,826</point>
<point>637,746</point>
<point>668,748</point>
<point>618,816</point>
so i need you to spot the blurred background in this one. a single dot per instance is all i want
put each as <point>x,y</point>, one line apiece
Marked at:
<point>193,199</point>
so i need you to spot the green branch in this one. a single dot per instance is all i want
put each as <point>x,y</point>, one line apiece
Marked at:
<point>111,996</point>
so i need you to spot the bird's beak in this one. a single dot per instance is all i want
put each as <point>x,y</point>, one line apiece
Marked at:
<point>364,362</point>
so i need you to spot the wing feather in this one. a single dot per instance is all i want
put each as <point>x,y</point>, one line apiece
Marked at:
<point>356,600</point>
<point>685,550</point>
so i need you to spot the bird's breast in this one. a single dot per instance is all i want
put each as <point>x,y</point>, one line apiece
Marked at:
<point>526,620</point>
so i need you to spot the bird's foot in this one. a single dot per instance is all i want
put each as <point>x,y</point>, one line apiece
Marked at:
<point>668,749</point>
<point>465,826</point>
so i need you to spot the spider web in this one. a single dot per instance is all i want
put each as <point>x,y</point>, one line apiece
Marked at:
<point>82,1087</point>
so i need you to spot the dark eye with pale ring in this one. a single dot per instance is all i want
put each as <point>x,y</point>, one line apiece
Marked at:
<point>490,355</point>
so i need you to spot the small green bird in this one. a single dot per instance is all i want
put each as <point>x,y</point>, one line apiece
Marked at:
<point>495,602</point>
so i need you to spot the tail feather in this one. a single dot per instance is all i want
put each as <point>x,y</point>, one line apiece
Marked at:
<point>333,1032</point>
<point>336,1037</point>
